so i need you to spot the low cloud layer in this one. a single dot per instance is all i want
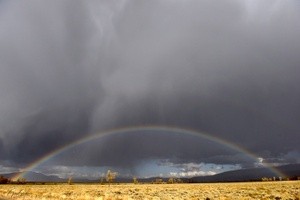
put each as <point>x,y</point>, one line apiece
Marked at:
<point>71,68</point>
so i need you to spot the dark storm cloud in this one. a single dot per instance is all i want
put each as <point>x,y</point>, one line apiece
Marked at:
<point>71,68</point>
<point>232,73</point>
<point>47,93</point>
<point>128,150</point>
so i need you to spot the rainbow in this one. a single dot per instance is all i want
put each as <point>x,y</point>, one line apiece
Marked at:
<point>88,138</point>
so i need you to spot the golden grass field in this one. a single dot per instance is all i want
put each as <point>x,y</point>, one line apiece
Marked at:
<point>249,190</point>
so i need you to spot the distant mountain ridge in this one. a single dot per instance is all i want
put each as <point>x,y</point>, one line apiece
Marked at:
<point>252,174</point>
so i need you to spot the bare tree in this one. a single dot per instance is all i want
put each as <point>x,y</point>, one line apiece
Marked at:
<point>171,180</point>
<point>102,180</point>
<point>135,181</point>
<point>110,176</point>
<point>70,182</point>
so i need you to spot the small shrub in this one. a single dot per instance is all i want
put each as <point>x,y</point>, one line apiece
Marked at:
<point>3,180</point>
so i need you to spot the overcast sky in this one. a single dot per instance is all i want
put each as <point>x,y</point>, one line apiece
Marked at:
<point>229,68</point>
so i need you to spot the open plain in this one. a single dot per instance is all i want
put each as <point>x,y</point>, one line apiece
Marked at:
<point>250,190</point>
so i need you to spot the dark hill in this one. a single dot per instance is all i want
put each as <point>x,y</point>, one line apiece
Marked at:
<point>291,171</point>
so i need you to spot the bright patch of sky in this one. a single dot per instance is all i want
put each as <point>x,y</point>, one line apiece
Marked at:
<point>167,169</point>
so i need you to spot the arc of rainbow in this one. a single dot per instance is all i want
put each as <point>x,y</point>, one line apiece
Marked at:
<point>203,135</point>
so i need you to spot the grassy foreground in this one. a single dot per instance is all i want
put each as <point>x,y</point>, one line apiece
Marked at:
<point>253,190</point>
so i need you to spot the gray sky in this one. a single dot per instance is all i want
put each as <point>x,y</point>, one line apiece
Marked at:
<point>73,68</point>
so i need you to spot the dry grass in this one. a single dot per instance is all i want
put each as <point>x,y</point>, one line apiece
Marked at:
<point>255,190</point>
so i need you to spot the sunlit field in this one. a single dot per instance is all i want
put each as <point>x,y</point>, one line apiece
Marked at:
<point>252,190</point>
